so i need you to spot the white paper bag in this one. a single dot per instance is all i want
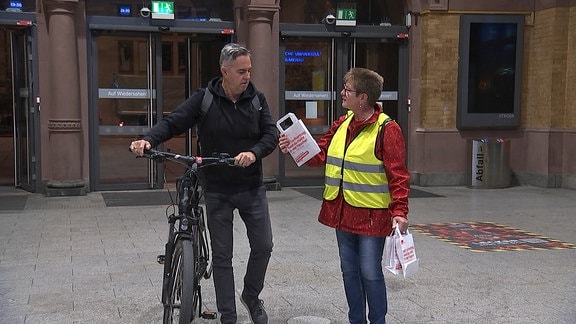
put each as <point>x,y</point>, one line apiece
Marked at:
<point>302,145</point>
<point>391,261</point>
<point>406,251</point>
<point>401,254</point>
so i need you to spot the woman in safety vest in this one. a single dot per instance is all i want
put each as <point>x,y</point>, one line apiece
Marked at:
<point>366,190</point>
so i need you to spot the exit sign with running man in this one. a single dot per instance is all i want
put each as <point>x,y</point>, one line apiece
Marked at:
<point>346,17</point>
<point>163,10</point>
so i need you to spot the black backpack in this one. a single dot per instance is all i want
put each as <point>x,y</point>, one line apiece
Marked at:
<point>207,102</point>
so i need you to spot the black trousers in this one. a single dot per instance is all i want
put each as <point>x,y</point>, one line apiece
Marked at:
<point>252,207</point>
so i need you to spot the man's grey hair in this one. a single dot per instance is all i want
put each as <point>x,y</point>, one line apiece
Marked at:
<point>231,51</point>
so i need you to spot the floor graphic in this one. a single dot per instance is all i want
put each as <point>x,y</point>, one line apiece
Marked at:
<point>484,237</point>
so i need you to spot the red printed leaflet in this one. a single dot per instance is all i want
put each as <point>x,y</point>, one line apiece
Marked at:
<point>302,145</point>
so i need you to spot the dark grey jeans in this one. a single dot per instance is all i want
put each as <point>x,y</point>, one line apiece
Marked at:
<point>252,207</point>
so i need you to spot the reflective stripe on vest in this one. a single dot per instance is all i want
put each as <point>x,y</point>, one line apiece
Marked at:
<point>361,174</point>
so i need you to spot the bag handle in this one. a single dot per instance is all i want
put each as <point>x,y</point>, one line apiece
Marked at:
<point>396,231</point>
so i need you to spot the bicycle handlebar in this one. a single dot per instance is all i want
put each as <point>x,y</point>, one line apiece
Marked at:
<point>221,158</point>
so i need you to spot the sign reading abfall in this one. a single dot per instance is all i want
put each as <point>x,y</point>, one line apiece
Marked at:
<point>302,145</point>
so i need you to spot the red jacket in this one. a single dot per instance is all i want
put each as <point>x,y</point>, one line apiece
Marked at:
<point>365,221</point>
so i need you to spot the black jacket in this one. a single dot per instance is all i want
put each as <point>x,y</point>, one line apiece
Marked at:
<point>227,127</point>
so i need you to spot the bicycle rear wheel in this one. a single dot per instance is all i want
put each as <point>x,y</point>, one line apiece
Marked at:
<point>183,297</point>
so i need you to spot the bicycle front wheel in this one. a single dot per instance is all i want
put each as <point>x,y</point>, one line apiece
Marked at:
<point>183,292</point>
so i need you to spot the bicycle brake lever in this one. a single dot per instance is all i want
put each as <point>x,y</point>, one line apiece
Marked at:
<point>158,157</point>
<point>223,156</point>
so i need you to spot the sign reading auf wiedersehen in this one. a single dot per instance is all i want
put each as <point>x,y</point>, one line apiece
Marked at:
<point>326,95</point>
<point>346,17</point>
<point>308,95</point>
<point>126,93</point>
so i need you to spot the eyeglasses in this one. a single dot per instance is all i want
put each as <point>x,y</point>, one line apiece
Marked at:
<point>347,91</point>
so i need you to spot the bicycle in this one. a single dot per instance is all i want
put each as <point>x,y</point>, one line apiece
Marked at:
<point>187,255</point>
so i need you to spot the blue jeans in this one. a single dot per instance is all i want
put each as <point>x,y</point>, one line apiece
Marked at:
<point>361,265</point>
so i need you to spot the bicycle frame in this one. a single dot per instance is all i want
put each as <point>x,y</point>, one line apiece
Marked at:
<point>187,242</point>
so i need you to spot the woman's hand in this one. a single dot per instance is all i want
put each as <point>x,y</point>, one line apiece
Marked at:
<point>400,221</point>
<point>283,143</point>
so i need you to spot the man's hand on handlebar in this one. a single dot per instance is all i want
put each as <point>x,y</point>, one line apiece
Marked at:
<point>245,159</point>
<point>138,147</point>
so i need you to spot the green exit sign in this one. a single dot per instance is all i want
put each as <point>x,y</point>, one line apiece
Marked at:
<point>162,10</point>
<point>346,17</point>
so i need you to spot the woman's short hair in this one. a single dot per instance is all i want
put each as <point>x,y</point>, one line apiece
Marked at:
<point>365,81</point>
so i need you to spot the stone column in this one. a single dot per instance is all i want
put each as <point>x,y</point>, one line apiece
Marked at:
<point>64,110</point>
<point>263,46</point>
<point>262,36</point>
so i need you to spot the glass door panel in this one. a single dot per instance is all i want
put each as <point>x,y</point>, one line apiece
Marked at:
<point>7,158</point>
<point>23,118</point>
<point>17,160</point>
<point>188,63</point>
<point>308,86</point>
<point>141,78</point>
<point>382,57</point>
<point>126,102</point>
<point>174,79</point>
<point>309,91</point>
<point>314,68</point>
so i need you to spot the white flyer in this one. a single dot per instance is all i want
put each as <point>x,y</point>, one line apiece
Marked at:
<point>302,145</point>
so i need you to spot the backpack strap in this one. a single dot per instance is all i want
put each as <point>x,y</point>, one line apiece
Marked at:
<point>206,102</point>
<point>256,103</point>
<point>204,107</point>
<point>386,121</point>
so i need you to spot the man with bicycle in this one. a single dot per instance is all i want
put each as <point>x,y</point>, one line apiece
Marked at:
<point>232,125</point>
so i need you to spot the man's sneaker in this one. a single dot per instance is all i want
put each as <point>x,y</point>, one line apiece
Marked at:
<point>257,311</point>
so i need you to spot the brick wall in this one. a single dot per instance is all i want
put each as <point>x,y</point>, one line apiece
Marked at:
<point>542,148</point>
<point>439,64</point>
<point>570,113</point>
<point>549,74</point>
<point>546,69</point>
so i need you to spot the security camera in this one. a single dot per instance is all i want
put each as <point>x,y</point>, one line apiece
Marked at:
<point>330,19</point>
<point>145,12</point>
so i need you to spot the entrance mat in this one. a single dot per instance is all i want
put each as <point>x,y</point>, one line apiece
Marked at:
<point>137,198</point>
<point>484,237</point>
<point>316,192</point>
<point>13,202</point>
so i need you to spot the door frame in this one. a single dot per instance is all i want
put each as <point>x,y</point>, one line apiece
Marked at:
<point>398,33</point>
<point>135,26</point>
<point>27,23</point>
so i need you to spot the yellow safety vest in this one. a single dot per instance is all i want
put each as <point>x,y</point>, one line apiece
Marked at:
<point>359,172</point>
